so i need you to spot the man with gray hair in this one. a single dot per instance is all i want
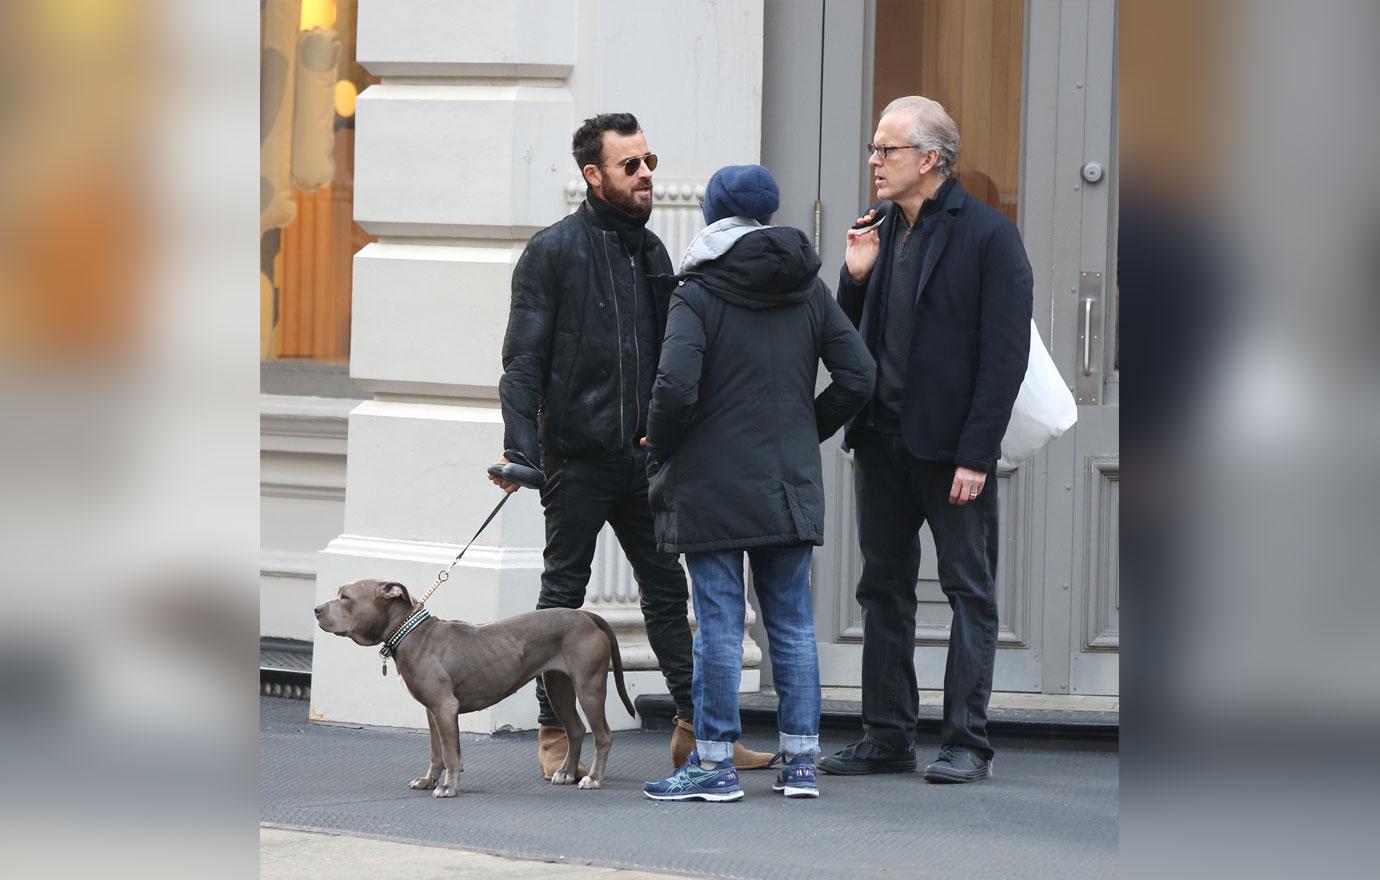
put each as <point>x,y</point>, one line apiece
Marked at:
<point>941,292</point>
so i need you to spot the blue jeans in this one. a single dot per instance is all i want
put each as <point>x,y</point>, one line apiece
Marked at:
<point>781,576</point>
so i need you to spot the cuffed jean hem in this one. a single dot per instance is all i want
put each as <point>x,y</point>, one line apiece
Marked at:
<point>714,751</point>
<point>799,745</point>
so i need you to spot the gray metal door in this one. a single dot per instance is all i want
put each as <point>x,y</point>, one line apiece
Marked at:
<point>1057,570</point>
<point>1075,251</point>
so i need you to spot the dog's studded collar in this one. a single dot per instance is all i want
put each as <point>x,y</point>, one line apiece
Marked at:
<point>390,645</point>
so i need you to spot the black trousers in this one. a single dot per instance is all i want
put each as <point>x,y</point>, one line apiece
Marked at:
<point>896,494</point>
<point>581,494</point>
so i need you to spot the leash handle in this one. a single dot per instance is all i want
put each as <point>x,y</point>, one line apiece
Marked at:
<point>445,572</point>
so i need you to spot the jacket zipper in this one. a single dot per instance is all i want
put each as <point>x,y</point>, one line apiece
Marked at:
<point>618,327</point>
<point>637,350</point>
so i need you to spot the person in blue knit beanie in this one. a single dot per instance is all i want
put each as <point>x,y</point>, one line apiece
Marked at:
<point>741,191</point>
<point>733,434</point>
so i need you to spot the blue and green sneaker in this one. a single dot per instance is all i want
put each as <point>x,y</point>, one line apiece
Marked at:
<point>695,783</point>
<point>796,779</point>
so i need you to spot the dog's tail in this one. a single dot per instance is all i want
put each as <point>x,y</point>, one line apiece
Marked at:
<point>617,659</point>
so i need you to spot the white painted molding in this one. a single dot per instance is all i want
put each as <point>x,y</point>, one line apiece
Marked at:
<point>288,564</point>
<point>320,418</point>
<point>478,556</point>
<point>302,407</point>
<point>306,491</point>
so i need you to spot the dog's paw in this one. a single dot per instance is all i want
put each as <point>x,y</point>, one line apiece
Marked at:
<point>562,777</point>
<point>425,783</point>
<point>589,782</point>
<point>444,791</point>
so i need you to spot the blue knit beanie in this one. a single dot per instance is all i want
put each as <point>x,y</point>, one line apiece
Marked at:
<point>741,191</point>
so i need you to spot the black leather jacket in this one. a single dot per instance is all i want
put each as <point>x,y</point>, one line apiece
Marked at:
<point>576,376</point>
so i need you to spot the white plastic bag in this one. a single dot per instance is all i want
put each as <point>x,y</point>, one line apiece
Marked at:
<point>1044,408</point>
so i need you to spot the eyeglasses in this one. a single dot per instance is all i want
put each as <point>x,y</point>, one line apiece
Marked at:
<point>630,166</point>
<point>883,151</point>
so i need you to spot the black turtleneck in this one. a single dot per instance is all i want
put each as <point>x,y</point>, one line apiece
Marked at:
<point>909,247</point>
<point>629,229</point>
<point>635,313</point>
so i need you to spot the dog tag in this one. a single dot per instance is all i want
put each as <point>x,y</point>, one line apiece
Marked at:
<point>385,668</point>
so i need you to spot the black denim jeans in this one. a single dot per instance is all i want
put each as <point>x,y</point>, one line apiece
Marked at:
<point>896,494</point>
<point>581,494</point>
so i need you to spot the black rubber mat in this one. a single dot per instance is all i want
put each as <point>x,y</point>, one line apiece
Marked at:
<point>1101,729</point>
<point>1048,812</point>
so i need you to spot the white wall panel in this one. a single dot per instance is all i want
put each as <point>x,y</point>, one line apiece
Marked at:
<point>458,159</point>
<point>433,314</point>
<point>417,473</point>
<point>513,38</point>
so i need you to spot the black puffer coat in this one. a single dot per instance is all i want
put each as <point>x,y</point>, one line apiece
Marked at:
<point>735,425</point>
<point>572,362</point>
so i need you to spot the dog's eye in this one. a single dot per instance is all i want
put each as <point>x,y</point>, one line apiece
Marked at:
<point>344,600</point>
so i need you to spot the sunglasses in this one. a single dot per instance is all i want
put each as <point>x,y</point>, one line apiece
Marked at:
<point>630,166</point>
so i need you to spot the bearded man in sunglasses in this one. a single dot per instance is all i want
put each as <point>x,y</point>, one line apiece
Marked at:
<point>590,295</point>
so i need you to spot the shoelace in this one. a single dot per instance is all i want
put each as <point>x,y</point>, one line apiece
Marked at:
<point>950,753</point>
<point>801,770</point>
<point>866,746</point>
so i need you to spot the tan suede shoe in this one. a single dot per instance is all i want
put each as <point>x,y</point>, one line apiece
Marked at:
<point>745,758</point>
<point>551,750</point>
<point>683,740</point>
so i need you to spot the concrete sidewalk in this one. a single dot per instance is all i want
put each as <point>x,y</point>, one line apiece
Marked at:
<point>1051,811</point>
<point>286,854</point>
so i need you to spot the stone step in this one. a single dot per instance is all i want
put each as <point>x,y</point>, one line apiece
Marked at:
<point>1092,720</point>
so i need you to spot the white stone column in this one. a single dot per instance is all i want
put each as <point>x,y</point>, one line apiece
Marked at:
<point>462,153</point>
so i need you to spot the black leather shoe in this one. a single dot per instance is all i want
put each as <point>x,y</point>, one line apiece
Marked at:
<point>957,764</point>
<point>868,756</point>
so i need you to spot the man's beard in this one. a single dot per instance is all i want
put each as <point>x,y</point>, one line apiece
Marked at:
<point>627,203</point>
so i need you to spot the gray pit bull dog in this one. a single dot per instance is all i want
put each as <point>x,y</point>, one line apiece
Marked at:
<point>453,667</point>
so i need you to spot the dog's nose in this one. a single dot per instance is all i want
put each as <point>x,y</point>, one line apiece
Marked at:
<point>319,609</point>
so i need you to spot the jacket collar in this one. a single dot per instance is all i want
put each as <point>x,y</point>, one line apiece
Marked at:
<point>954,199</point>
<point>955,196</point>
<point>953,202</point>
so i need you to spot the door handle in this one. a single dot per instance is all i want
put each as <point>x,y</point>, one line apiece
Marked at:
<point>1088,384</point>
<point>1087,336</point>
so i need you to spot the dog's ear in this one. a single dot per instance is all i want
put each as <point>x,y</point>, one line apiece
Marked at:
<point>393,590</point>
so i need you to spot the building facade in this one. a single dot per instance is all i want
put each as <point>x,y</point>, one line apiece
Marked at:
<point>461,153</point>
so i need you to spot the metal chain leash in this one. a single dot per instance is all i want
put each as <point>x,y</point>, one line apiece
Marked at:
<point>419,612</point>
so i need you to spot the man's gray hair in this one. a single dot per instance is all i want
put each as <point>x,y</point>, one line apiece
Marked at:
<point>933,129</point>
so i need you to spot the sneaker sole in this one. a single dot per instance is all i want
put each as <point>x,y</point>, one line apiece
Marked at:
<point>948,777</point>
<point>870,767</point>
<point>792,791</point>
<point>698,796</point>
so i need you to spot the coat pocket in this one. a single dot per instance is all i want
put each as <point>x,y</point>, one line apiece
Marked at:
<point>661,495</point>
<point>804,529</point>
